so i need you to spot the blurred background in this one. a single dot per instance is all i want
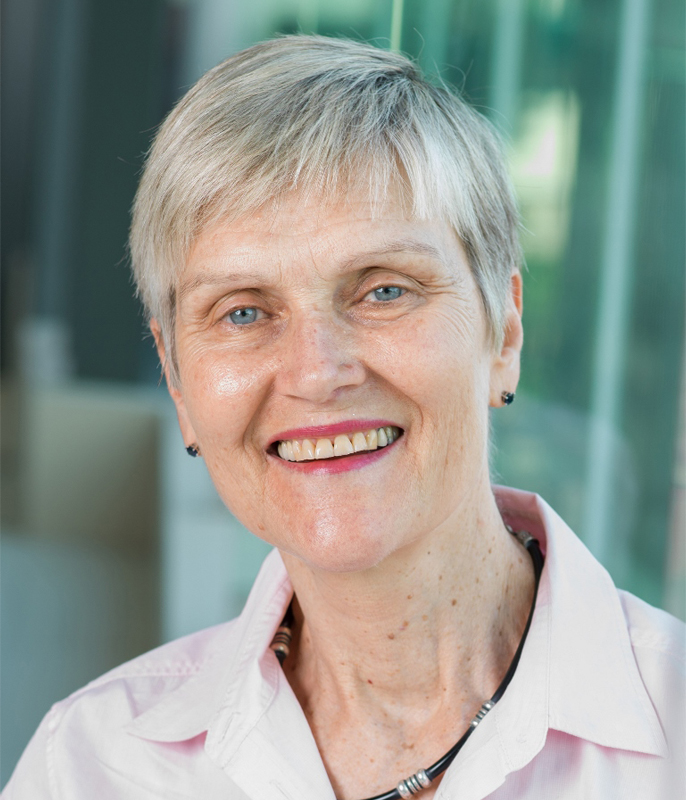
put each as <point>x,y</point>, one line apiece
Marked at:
<point>113,541</point>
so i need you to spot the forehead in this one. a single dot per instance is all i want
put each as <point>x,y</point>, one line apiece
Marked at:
<point>333,234</point>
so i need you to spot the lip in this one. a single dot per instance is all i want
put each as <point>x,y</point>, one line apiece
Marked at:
<point>324,431</point>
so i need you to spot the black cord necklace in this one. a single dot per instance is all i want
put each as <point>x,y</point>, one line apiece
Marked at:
<point>423,778</point>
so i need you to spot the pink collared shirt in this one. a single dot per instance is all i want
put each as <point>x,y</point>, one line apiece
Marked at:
<point>596,708</point>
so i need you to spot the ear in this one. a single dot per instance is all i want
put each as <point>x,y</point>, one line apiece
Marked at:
<point>185,425</point>
<point>505,364</point>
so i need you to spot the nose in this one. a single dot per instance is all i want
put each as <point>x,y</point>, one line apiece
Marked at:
<point>318,360</point>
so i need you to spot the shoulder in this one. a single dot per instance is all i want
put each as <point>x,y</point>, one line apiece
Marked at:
<point>131,689</point>
<point>181,657</point>
<point>658,642</point>
<point>90,727</point>
<point>653,632</point>
<point>148,677</point>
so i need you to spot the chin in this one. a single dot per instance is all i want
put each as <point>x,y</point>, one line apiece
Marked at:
<point>341,563</point>
<point>330,548</point>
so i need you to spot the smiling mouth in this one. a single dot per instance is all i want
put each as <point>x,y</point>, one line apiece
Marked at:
<point>344,444</point>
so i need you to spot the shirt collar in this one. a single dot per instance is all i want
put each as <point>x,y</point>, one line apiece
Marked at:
<point>592,682</point>
<point>577,673</point>
<point>240,648</point>
<point>241,699</point>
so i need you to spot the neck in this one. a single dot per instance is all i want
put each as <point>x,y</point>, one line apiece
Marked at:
<point>430,631</point>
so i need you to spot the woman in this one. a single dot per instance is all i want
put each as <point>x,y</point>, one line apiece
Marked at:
<point>327,248</point>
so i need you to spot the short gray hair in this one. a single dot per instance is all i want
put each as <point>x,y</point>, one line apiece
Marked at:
<point>314,115</point>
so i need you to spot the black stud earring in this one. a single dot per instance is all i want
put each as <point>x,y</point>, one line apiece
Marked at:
<point>193,450</point>
<point>507,397</point>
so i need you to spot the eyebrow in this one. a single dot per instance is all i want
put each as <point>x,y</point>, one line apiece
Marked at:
<point>397,246</point>
<point>394,246</point>
<point>217,280</point>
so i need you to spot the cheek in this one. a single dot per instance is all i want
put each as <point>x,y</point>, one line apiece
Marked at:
<point>439,361</point>
<point>223,395</point>
<point>441,366</point>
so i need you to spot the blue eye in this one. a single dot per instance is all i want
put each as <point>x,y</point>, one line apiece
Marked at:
<point>243,316</point>
<point>388,292</point>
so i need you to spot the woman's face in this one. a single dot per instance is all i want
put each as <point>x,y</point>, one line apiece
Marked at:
<point>313,326</point>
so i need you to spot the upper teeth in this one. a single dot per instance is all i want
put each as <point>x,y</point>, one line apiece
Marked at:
<point>342,445</point>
